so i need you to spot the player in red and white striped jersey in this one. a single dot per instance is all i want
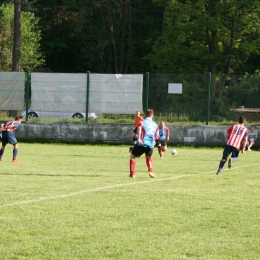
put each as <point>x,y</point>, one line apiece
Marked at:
<point>236,140</point>
<point>8,136</point>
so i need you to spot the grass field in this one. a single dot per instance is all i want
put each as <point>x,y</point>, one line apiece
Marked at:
<point>77,202</point>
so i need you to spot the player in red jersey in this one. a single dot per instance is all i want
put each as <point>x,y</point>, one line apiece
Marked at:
<point>137,120</point>
<point>236,140</point>
<point>8,136</point>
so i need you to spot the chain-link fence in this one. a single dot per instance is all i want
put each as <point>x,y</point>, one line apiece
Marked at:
<point>232,95</point>
<point>190,104</point>
<point>206,97</point>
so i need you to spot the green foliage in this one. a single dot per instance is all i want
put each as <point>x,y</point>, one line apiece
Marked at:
<point>87,35</point>
<point>30,37</point>
<point>202,35</point>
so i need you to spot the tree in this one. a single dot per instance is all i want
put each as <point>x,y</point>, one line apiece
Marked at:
<point>208,35</point>
<point>17,32</point>
<point>108,36</point>
<point>30,56</point>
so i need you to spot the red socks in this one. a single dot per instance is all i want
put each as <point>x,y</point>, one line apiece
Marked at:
<point>133,164</point>
<point>132,167</point>
<point>149,164</point>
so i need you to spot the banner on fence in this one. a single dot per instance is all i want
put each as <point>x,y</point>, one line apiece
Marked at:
<point>116,93</point>
<point>66,92</point>
<point>12,90</point>
<point>58,92</point>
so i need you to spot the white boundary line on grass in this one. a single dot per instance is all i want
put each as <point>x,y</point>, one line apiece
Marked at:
<point>106,188</point>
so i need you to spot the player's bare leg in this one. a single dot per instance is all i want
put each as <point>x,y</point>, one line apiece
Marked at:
<point>164,149</point>
<point>250,145</point>
<point>160,150</point>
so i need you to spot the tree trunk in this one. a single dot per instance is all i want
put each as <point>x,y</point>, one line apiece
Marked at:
<point>166,5</point>
<point>112,40</point>
<point>129,39</point>
<point>17,38</point>
<point>122,38</point>
<point>212,43</point>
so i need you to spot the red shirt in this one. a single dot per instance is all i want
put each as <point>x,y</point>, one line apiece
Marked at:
<point>13,123</point>
<point>137,120</point>
<point>236,134</point>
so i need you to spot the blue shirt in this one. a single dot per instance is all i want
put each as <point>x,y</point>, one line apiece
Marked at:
<point>163,132</point>
<point>149,132</point>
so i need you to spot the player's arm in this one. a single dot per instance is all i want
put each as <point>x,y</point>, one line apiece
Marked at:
<point>4,128</point>
<point>157,134</point>
<point>16,125</point>
<point>229,131</point>
<point>139,131</point>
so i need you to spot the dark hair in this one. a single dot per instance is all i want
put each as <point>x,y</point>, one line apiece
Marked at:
<point>241,120</point>
<point>18,117</point>
<point>149,112</point>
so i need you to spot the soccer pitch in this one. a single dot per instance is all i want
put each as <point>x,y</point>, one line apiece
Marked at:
<point>66,201</point>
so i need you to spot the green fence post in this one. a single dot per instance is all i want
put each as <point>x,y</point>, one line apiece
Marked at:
<point>87,95</point>
<point>28,82</point>
<point>147,81</point>
<point>208,98</point>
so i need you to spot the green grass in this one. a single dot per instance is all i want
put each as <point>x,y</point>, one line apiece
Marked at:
<point>77,202</point>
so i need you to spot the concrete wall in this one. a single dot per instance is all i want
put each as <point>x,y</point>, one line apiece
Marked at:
<point>116,133</point>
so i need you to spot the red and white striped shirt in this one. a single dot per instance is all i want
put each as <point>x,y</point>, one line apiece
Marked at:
<point>236,134</point>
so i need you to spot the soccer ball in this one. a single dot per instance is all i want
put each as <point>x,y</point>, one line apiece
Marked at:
<point>174,152</point>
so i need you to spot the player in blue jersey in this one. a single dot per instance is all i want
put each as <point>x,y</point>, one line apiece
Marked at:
<point>164,137</point>
<point>8,136</point>
<point>147,133</point>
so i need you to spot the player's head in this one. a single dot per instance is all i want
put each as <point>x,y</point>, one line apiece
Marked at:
<point>162,124</point>
<point>242,120</point>
<point>137,113</point>
<point>252,128</point>
<point>149,113</point>
<point>18,118</point>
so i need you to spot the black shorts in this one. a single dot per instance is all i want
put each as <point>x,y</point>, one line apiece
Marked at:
<point>135,131</point>
<point>8,138</point>
<point>138,150</point>
<point>230,150</point>
<point>161,142</point>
